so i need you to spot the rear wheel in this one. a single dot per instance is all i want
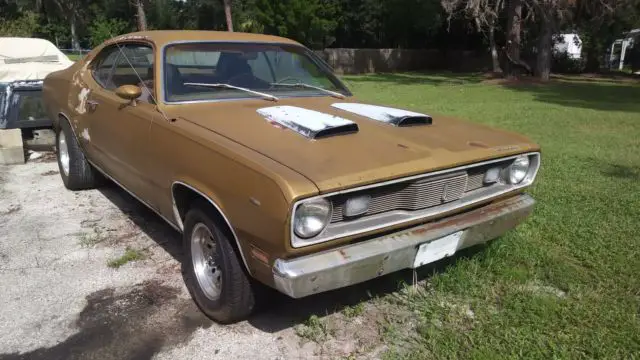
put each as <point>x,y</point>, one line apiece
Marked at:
<point>75,170</point>
<point>212,270</point>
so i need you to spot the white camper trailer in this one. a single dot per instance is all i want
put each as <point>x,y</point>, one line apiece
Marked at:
<point>620,48</point>
<point>569,44</point>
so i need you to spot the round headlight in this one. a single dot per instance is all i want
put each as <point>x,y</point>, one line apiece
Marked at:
<point>519,169</point>
<point>311,218</point>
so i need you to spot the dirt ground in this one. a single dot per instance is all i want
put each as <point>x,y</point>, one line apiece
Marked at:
<point>61,299</point>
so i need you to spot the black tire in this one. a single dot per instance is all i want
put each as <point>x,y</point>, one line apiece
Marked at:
<point>236,300</point>
<point>81,175</point>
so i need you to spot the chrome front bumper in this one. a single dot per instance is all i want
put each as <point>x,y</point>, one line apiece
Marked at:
<point>369,259</point>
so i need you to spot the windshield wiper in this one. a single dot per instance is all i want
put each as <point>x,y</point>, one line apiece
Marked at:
<point>308,86</point>
<point>228,86</point>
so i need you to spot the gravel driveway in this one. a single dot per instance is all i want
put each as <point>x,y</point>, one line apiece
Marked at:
<point>61,299</point>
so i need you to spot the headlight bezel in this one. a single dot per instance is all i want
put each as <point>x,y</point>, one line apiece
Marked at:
<point>312,205</point>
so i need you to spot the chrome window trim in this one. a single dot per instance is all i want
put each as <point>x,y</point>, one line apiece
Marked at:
<point>179,221</point>
<point>163,48</point>
<point>297,242</point>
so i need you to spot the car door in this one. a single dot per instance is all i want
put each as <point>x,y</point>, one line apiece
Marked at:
<point>117,130</point>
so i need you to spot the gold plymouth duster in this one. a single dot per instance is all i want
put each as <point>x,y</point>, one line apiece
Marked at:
<point>272,170</point>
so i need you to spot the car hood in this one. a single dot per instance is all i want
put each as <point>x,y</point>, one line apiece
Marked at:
<point>377,151</point>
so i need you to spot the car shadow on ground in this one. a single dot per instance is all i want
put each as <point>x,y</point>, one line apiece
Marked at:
<point>277,311</point>
<point>146,220</point>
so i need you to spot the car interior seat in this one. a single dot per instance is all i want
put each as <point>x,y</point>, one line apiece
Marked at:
<point>174,81</point>
<point>231,66</point>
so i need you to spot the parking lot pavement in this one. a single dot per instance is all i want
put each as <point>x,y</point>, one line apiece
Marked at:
<point>61,299</point>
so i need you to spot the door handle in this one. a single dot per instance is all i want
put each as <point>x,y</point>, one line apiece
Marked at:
<point>92,105</point>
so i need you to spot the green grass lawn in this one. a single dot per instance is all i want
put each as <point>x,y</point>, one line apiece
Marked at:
<point>75,57</point>
<point>566,284</point>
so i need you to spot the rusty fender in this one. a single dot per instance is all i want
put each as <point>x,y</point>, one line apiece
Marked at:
<point>369,259</point>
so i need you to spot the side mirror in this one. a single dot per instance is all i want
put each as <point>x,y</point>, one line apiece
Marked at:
<point>129,92</point>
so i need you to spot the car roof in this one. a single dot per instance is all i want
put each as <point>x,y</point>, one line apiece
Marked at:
<point>162,37</point>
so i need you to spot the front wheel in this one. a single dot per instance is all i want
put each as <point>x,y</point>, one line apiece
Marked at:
<point>212,271</point>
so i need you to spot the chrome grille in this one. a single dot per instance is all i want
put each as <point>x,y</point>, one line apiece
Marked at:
<point>410,196</point>
<point>418,194</point>
<point>476,178</point>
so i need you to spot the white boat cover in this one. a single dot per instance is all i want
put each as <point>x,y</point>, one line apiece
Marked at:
<point>29,59</point>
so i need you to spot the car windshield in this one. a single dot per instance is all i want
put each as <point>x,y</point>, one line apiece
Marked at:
<point>267,68</point>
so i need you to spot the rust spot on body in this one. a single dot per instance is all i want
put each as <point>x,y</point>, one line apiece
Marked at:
<point>420,230</point>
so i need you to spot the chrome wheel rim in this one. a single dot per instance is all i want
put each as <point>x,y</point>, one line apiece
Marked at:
<point>205,263</point>
<point>63,153</point>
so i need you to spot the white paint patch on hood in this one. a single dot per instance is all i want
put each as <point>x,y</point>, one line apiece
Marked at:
<point>397,117</point>
<point>309,123</point>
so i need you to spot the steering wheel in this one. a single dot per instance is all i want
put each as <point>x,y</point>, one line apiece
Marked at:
<point>237,78</point>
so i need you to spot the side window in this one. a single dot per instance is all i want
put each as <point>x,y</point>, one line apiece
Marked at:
<point>101,69</point>
<point>129,64</point>
<point>136,60</point>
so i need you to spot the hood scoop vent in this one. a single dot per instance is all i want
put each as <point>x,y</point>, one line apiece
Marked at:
<point>392,116</point>
<point>308,123</point>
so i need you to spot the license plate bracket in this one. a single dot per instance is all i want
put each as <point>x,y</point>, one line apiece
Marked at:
<point>437,249</point>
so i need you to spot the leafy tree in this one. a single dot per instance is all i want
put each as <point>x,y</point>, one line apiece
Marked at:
<point>599,25</point>
<point>409,23</point>
<point>311,22</point>
<point>525,26</point>
<point>162,14</point>
<point>485,14</point>
<point>25,25</point>
<point>388,23</point>
<point>102,29</point>
<point>361,24</point>
<point>72,11</point>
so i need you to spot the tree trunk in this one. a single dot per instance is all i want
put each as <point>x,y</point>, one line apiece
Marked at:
<point>494,49</point>
<point>75,44</point>
<point>142,17</point>
<point>514,21</point>
<point>593,59</point>
<point>227,13</point>
<point>545,46</point>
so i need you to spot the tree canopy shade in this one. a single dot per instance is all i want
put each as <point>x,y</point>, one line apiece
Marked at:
<point>311,22</point>
<point>538,20</point>
<point>521,29</point>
